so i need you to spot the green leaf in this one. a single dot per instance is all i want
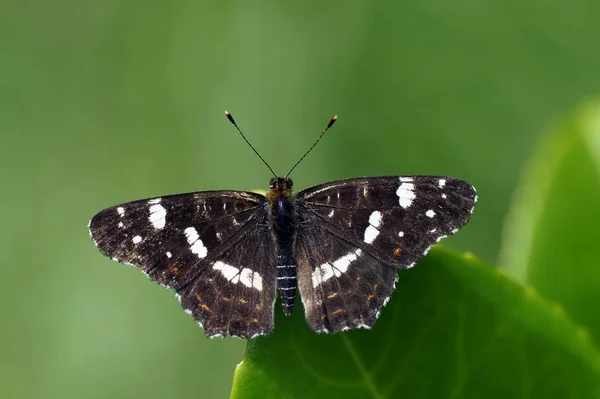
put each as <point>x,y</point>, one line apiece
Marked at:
<point>552,234</point>
<point>454,328</point>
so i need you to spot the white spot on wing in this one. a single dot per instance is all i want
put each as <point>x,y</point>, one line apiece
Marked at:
<point>474,202</point>
<point>406,179</point>
<point>136,239</point>
<point>372,231</point>
<point>371,234</point>
<point>196,245</point>
<point>430,213</point>
<point>444,196</point>
<point>218,335</point>
<point>375,218</point>
<point>401,234</point>
<point>406,194</point>
<point>121,225</point>
<point>328,270</point>
<point>251,279</point>
<point>442,183</point>
<point>121,211</point>
<point>229,272</point>
<point>331,213</point>
<point>154,201</point>
<point>158,216</point>
<point>440,238</point>
<point>245,276</point>
<point>169,255</point>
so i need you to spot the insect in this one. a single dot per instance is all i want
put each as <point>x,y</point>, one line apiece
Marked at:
<point>229,254</point>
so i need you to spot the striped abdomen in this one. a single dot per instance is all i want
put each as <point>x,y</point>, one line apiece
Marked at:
<point>284,230</point>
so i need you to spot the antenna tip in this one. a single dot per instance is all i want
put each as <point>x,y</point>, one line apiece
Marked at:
<point>332,121</point>
<point>228,115</point>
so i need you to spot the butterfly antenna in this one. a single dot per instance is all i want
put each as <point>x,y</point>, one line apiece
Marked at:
<point>246,140</point>
<point>331,122</point>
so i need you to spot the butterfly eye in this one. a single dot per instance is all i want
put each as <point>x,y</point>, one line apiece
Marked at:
<point>272,182</point>
<point>289,183</point>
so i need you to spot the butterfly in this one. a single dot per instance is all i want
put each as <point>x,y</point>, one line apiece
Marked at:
<point>229,254</point>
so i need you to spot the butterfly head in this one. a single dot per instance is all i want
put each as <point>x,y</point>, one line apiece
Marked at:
<point>279,186</point>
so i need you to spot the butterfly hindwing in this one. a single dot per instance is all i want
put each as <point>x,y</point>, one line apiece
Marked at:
<point>236,293</point>
<point>341,286</point>
<point>204,245</point>
<point>353,234</point>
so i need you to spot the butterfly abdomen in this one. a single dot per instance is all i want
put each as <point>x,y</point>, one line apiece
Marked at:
<point>283,224</point>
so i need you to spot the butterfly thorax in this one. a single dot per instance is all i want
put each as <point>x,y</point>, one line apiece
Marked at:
<point>282,221</point>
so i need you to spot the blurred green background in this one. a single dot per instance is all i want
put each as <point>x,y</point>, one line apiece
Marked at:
<point>103,102</point>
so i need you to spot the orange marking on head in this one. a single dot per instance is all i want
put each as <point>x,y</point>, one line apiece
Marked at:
<point>332,295</point>
<point>254,320</point>
<point>205,307</point>
<point>397,251</point>
<point>338,311</point>
<point>197,297</point>
<point>175,269</point>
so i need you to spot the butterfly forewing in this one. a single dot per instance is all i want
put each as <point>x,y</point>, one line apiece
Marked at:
<point>354,233</point>
<point>204,245</point>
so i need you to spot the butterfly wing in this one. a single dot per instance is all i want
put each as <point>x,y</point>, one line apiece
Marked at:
<point>213,247</point>
<point>354,234</point>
